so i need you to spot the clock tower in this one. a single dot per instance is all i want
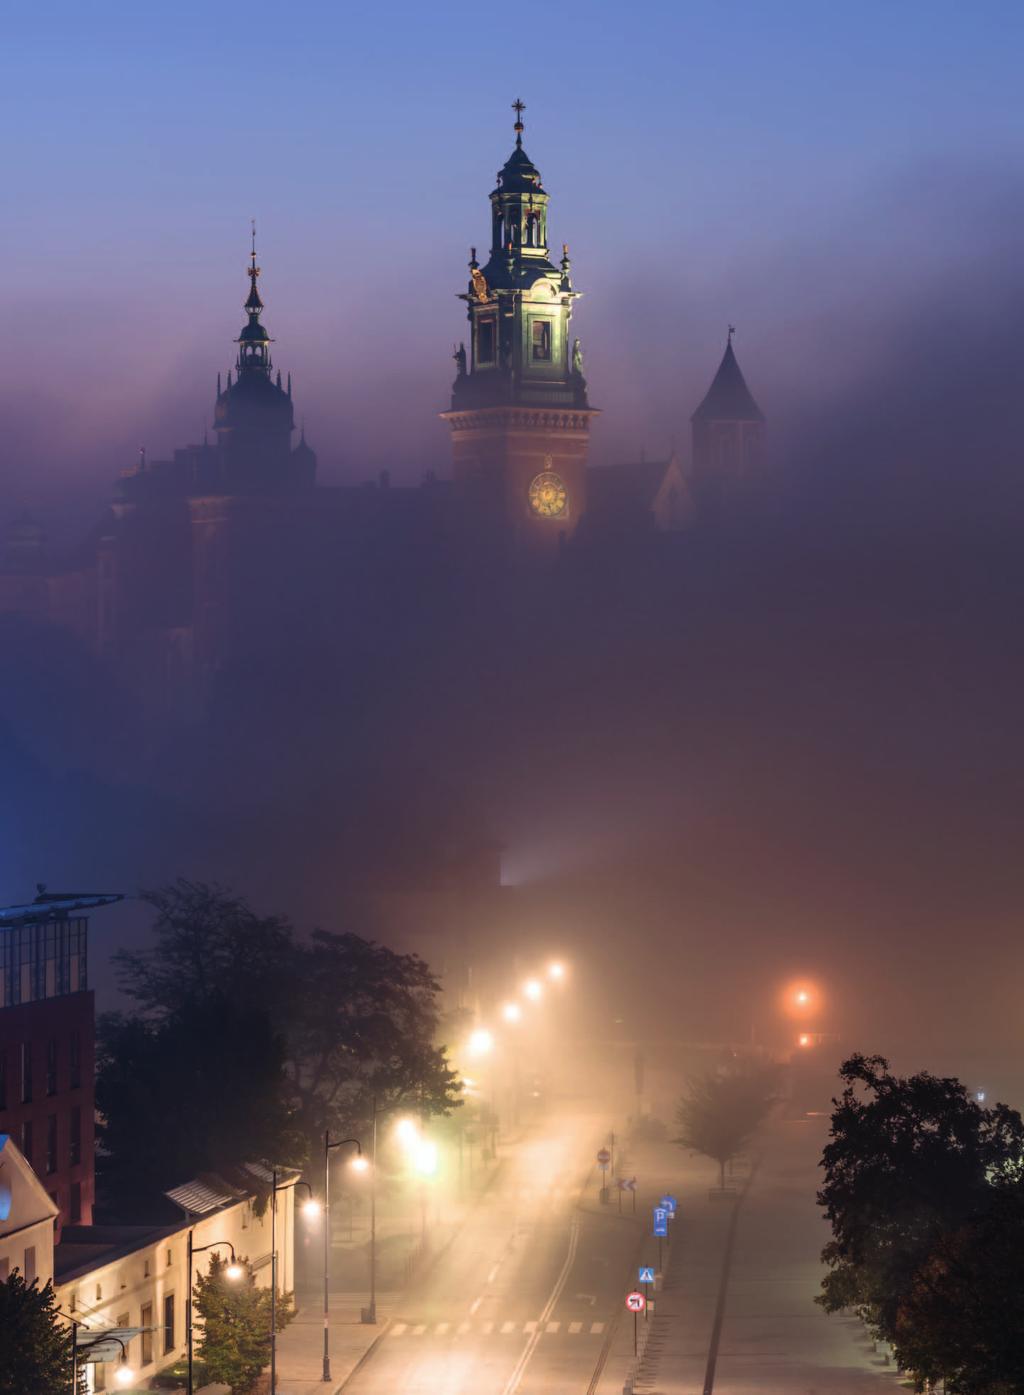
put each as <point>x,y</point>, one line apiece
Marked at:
<point>520,419</point>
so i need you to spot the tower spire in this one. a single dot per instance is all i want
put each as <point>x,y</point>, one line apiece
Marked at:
<point>519,106</point>
<point>254,341</point>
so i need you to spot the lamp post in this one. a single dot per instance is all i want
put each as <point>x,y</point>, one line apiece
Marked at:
<point>273,1273</point>
<point>328,1146</point>
<point>234,1271</point>
<point>125,1375</point>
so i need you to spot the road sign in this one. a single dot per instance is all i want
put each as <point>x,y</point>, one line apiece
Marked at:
<point>660,1220</point>
<point>646,1274</point>
<point>628,1184</point>
<point>669,1203</point>
<point>603,1159</point>
<point>635,1302</point>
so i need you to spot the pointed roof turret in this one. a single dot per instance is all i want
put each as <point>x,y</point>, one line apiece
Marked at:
<point>519,174</point>
<point>728,398</point>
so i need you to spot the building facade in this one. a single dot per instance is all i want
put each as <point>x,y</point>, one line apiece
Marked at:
<point>48,1045</point>
<point>520,416</point>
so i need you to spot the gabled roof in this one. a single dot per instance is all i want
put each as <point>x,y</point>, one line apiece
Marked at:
<point>728,398</point>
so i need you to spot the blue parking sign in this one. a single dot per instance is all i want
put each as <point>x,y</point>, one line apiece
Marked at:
<point>660,1220</point>
<point>646,1274</point>
<point>669,1203</point>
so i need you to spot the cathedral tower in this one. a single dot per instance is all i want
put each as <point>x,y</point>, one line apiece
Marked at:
<point>728,431</point>
<point>519,418</point>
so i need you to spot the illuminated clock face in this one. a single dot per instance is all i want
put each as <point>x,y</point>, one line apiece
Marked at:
<point>549,497</point>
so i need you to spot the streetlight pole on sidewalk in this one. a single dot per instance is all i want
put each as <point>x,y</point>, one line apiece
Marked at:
<point>328,1146</point>
<point>273,1269</point>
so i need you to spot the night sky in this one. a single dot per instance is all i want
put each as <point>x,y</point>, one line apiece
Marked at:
<point>798,748</point>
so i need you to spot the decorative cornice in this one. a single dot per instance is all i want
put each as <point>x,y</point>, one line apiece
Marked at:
<point>522,418</point>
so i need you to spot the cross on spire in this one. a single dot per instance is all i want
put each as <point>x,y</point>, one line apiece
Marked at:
<point>732,331</point>
<point>519,106</point>
<point>254,270</point>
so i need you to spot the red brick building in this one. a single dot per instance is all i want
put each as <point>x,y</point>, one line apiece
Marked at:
<point>48,1045</point>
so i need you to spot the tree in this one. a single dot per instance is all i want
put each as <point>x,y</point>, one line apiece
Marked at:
<point>911,1162</point>
<point>357,1021</point>
<point>720,1112</point>
<point>202,1090</point>
<point>234,1320</point>
<point>962,1316</point>
<point>35,1345</point>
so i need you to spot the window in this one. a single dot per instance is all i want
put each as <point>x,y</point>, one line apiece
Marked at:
<point>147,1334</point>
<point>168,1323</point>
<point>145,1269</point>
<point>51,1067</point>
<point>485,341</point>
<point>26,1139</point>
<point>26,1072</point>
<point>75,1136</point>
<point>30,1263</point>
<point>75,1061</point>
<point>542,340</point>
<point>99,1299</point>
<point>51,1143</point>
<point>170,1258</point>
<point>76,1201</point>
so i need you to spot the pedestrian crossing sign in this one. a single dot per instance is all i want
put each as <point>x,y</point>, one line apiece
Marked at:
<point>646,1274</point>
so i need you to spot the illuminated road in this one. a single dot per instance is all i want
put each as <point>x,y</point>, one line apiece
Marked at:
<point>523,1298</point>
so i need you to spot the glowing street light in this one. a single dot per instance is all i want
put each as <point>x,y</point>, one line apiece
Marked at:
<point>125,1374</point>
<point>480,1042</point>
<point>424,1157</point>
<point>234,1272</point>
<point>556,971</point>
<point>804,1040</point>
<point>533,989</point>
<point>311,1209</point>
<point>512,1012</point>
<point>406,1133</point>
<point>359,1163</point>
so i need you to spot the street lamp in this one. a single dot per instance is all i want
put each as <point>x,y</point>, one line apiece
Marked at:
<point>233,1271</point>
<point>124,1375</point>
<point>273,1272</point>
<point>328,1146</point>
<point>481,1042</point>
<point>512,1012</point>
<point>533,989</point>
<point>556,971</point>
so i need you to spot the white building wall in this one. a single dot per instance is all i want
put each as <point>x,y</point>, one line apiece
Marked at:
<point>118,1293</point>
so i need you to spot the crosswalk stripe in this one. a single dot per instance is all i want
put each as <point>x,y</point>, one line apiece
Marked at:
<point>441,1328</point>
<point>398,1329</point>
<point>488,1328</point>
<point>552,1327</point>
<point>596,1328</point>
<point>463,1327</point>
<point>575,1327</point>
<point>507,1327</point>
<point>419,1329</point>
<point>529,1327</point>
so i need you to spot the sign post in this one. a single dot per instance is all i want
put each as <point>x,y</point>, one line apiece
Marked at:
<point>646,1277</point>
<point>603,1159</point>
<point>660,1227</point>
<point>636,1303</point>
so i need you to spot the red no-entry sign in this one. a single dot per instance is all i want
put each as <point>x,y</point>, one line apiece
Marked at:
<point>604,1158</point>
<point>635,1302</point>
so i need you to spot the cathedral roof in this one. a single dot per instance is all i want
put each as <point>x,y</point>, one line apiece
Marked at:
<point>728,398</point>
<point>519,174</point>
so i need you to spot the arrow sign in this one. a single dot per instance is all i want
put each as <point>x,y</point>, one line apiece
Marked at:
<point>635,1302</point>
<point>660,1221</point>
<point>630,1185</point>
<point>646,1274</point>
<point>669,1204</point>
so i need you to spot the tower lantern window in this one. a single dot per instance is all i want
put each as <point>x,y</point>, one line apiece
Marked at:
<point>541,336</point>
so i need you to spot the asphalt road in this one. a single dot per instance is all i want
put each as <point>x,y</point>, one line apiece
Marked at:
<point>524,1297</point>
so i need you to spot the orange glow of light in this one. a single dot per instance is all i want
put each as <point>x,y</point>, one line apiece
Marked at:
<point>804,1039</point>
<point>801,999</point>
